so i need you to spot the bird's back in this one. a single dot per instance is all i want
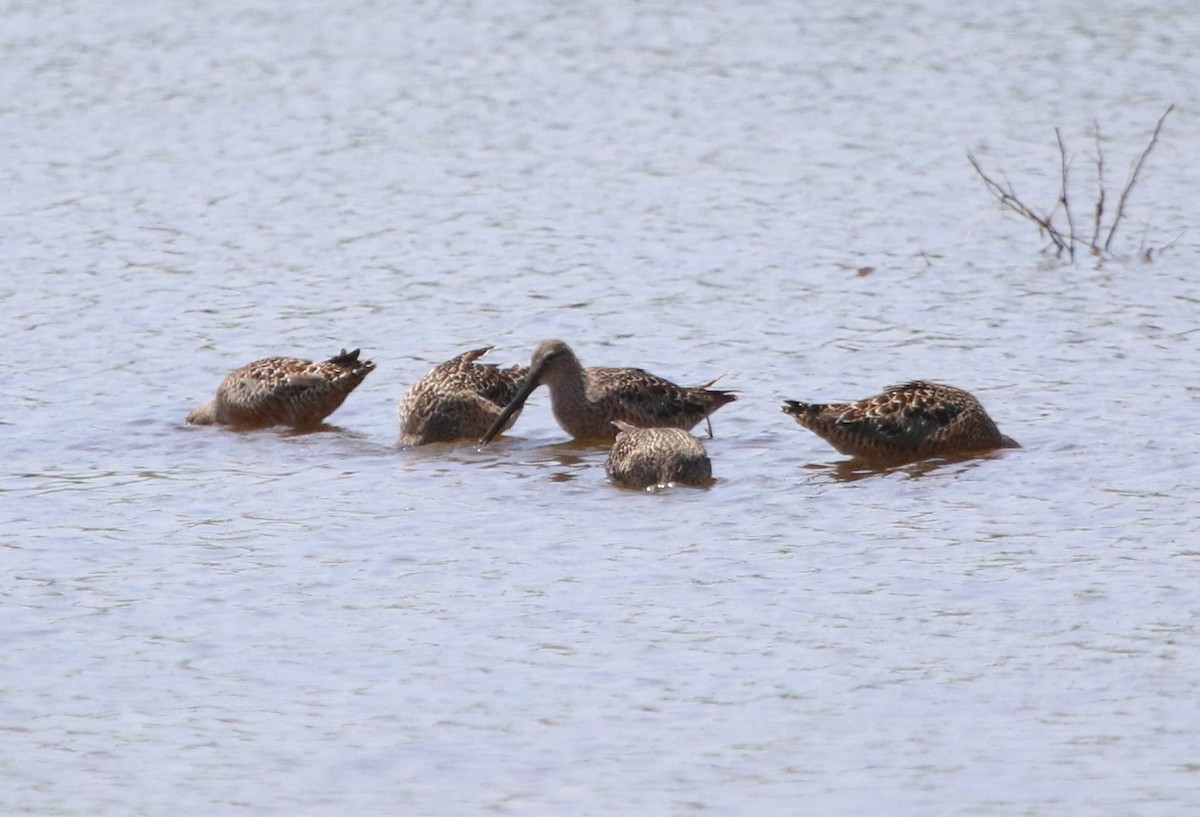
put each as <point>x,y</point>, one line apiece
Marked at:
<point>642,399</point>
<point>916,419</point>
<point>456,399</point>
<point>644,457</point>
<point>288,391</point>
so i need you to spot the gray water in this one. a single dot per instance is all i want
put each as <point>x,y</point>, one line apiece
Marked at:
<point>200,622</point>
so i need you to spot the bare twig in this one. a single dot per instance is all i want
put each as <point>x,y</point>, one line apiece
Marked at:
<point>1008,198</point>
<point>1006,194</point>
<point>1144,249</point>
<point>1066,203</point>
<point>1171,243</point>
<point>1098,213</point>
<point>1133,177</point>
<point>1148,253</point>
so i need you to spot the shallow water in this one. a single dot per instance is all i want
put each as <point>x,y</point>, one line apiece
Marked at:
<point>199,621</point>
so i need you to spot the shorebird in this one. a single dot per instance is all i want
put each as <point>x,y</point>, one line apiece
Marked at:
<point>283,391</point>
<point>587,401</point>
<point>647,457</point>
<point>907,422</point>
<point>458,398</point>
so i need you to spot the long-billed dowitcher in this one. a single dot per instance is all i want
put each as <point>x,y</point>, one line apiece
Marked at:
<point>647,457</point>
<point>458,398</point>
<point>907,422</point>
<point>283,391</point>
<point>587,401</point>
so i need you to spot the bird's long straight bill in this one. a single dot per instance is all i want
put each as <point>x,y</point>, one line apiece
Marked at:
<point>512,408</point>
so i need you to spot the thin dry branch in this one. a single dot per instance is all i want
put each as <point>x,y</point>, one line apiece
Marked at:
<point>1008,198</point>
<point>1171,243</point>
<point>1006,194</point>
<point>1133,178</point>
<point>1101,196</point>
<point>1065,165</point>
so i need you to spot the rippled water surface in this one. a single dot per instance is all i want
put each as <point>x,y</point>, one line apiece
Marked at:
<point>201,622</point>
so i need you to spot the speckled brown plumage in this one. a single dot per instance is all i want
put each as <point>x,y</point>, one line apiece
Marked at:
<point>648,457</point>
<point>283,391</point>
<point>907,422</point>
<point>459,398</point>
<point>587,401</point>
